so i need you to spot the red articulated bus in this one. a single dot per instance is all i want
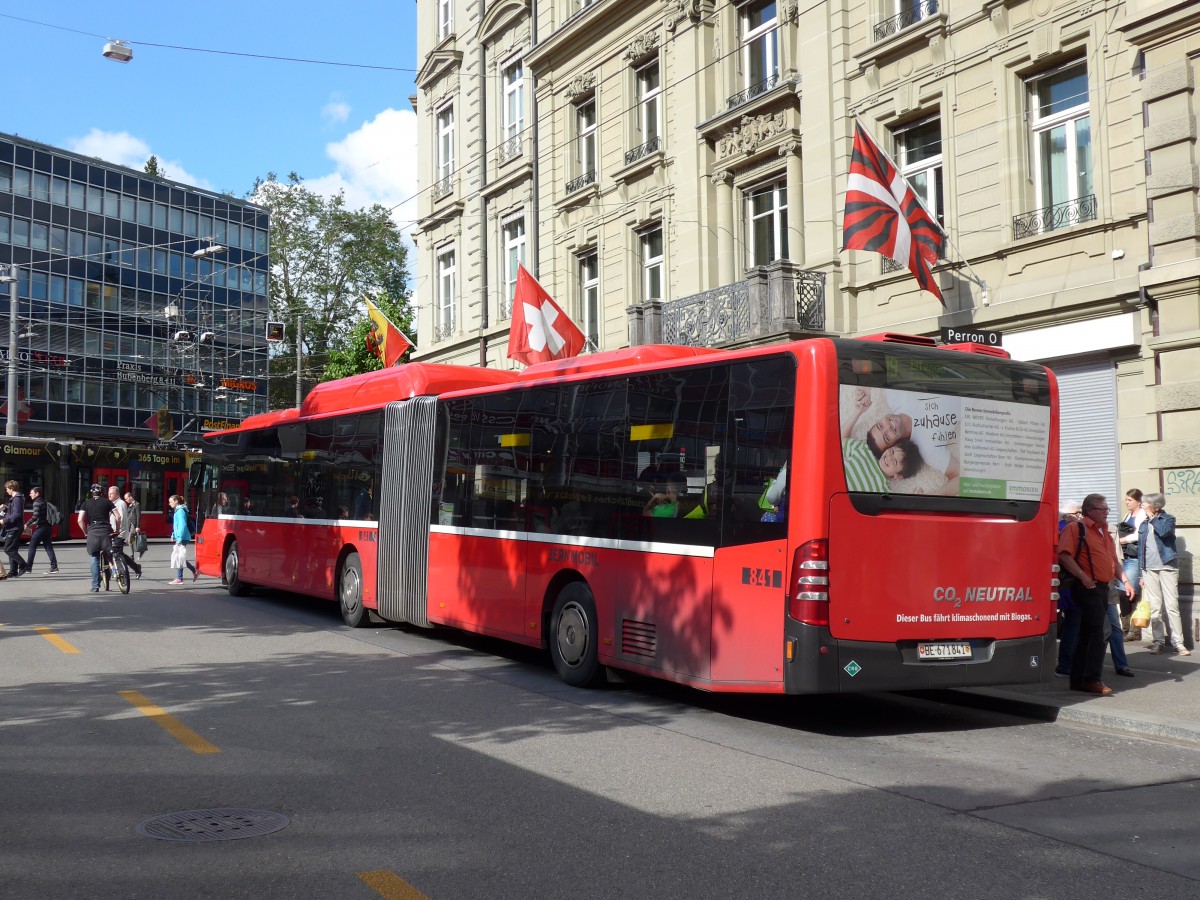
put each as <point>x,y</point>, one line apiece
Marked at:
<point>820,516</point>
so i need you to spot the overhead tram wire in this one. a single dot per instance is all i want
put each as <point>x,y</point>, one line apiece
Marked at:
<point>551,149</point>
<point>295,59</point>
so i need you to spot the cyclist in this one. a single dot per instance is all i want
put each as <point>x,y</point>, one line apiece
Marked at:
<point>94,522</point>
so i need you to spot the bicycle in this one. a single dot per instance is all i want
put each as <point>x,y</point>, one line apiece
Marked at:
<point>112,565</point>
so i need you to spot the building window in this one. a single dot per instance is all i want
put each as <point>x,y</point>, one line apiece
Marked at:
<point>919,158</point>
<point>649,95</point>
<point>445,150</point>
<point>513,233</point>
<point>760,46</point>
<point>513,111</point>
<point>1061,131</point>
<point>445,18</point>
<point>585,137</point>
<point>652,264</point>
<point>447,287</point>
<point>589,297</point>
<point>766,224</point>
<point>585,146</point>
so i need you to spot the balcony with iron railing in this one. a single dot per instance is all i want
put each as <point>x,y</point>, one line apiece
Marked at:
<point>443,187</point>
<point>651,146</point>
<point>909,16</point>
<point>1051,218</point>
<point>755,90</point>
<point>510,149</point>
<point>445,327</point>
<point>581,182</point>
<point>773,300</point>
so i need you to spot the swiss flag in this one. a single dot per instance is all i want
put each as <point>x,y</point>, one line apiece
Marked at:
<point>24,410</point>
<point>540,329</point>
<point>885,216</point>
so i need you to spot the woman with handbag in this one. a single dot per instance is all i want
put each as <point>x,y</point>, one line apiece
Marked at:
<point>137,543</point>
<point>181,536</point>
<point>1127,537</point>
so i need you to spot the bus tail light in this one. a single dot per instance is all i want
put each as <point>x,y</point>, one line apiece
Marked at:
<point>808,590</point>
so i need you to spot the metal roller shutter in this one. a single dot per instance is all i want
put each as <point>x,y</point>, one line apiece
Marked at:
<point>1088,454</point>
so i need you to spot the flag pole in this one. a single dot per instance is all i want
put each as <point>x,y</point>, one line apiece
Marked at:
<point>973,276</point>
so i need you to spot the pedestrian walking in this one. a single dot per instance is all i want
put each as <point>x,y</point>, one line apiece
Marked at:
<point>1092,559</point>
<point>135,529</point>
<point>182,536</point>
<point>11,527</point>
<point>122,529</point>
<point>40,528</point>
<point>1069,516</point>
<point>1127,537</point>
<point>1159,562</point>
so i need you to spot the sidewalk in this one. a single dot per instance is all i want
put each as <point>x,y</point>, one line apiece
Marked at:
<point>1162,700</point>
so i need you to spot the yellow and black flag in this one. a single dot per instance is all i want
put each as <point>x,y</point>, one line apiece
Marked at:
<point>384,339</point>
<point>161,424</point>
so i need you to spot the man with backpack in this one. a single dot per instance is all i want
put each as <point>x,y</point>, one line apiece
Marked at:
<point>1091,559</point>
<point>41,527</point>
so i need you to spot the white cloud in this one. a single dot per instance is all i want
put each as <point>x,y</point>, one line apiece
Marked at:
<point>376,164</point>
<point>124,149</point>
<point>336,110</point>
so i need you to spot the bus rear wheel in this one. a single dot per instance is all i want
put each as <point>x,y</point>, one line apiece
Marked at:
<point>574,635</point>
<point>350,593</point>
<point>233,581</point>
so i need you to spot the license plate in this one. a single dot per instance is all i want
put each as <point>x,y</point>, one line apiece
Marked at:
<point>943,651</point>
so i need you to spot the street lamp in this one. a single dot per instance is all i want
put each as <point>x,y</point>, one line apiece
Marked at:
<point>118,51</point>
<point>10,427</point>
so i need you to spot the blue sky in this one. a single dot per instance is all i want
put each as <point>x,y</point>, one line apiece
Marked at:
<point>218,120</point>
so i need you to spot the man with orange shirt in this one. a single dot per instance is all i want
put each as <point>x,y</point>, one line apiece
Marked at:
<point>1095,563</point>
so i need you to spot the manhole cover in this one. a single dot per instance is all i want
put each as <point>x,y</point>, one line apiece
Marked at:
<point>213,824</point>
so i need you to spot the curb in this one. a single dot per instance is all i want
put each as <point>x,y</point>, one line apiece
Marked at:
<point>1087,713</point>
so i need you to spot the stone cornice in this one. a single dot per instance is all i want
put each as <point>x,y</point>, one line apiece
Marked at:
<point>437,64</point>
<point>1162,23</point>
<point>501,17</point>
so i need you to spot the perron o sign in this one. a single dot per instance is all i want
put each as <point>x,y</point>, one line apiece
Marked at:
<point>274,331</point>
<point>952,335</point>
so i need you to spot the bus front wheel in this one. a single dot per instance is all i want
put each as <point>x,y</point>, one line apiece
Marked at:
<point>231,569</point>
<point>350,593</point>
<point>573,636</point>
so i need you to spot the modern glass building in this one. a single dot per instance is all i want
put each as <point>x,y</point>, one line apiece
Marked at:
<point>136,296</point>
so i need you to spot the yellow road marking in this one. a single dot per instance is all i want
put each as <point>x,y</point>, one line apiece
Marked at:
<point>169,723</point>
<point>390,885</point>
<point>58,642</point>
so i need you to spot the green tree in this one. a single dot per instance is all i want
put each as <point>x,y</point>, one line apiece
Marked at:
<point>325,258</point>
<point>153,168</point>
<point>352,357</point>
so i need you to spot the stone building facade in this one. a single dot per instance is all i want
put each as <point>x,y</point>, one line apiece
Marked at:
<point>674,171</point>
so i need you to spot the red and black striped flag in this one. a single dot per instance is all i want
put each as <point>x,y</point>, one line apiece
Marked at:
<point>883,214</point>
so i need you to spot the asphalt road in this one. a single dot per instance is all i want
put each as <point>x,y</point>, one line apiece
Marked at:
<point>409,763</point>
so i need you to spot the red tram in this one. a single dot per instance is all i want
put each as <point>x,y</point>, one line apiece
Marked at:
<point>66,469</point>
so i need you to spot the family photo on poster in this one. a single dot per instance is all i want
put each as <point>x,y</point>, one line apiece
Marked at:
<point>914,442</point>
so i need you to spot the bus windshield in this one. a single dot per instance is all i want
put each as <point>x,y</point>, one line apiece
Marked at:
<point>919,422</point>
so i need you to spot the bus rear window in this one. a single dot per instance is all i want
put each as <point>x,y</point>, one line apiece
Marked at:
<point>936,423</point>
